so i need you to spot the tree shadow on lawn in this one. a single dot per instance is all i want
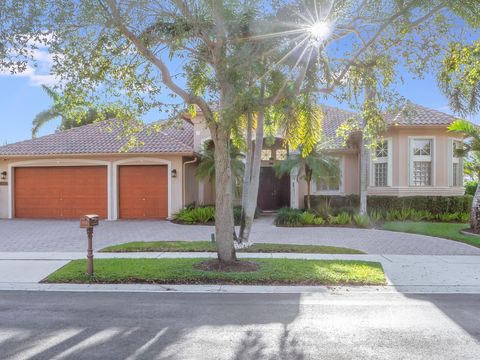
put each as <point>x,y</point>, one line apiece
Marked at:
<point>147,326</point>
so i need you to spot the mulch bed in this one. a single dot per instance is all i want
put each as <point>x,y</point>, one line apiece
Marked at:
<point>236,266</point>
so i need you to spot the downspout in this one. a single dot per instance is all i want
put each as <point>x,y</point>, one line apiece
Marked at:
<point>183,178</point>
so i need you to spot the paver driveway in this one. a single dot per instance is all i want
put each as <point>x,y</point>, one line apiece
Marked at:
<point>65,236</point>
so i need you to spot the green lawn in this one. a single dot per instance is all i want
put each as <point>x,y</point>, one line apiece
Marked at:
<point>207,246</point>
<point>443,230</point>
<point>181,271</point>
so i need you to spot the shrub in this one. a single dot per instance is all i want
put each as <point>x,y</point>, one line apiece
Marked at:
<point>470,187</point>
<point>199,215</point>
<point>362,221</point>
<point>421,215</point>
<point>433,204</point>
<point>318,221</point>
<point>289,217</point>
<point>464,217</point>
<point>307,218</point>
<point>376,216</point>
<point>449,217</point>
<point>343,218</point>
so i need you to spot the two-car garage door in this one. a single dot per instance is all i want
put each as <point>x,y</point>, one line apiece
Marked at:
<point>60,192</point>
<point>72,191</point>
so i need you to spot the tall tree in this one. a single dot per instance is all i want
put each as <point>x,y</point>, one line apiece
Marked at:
<point>78,116</point>
<point>472,144</point>
<point>132,50</point>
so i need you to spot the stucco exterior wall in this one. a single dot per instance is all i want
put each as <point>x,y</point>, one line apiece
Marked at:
<point>400,137</point>
<point>175,162</point>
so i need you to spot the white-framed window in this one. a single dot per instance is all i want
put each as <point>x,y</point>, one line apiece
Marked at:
<point>455,164</point>
<point>421,161</point>
<point>328,186</point>
<point>381,169</point>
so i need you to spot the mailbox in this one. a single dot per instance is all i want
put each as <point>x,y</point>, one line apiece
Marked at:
<point>88,221</point>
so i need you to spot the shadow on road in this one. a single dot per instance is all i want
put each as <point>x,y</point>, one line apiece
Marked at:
<point>130,326</point>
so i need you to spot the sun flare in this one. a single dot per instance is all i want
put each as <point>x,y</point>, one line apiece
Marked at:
<point>320,30</point>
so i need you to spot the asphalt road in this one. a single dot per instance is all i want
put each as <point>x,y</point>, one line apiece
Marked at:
<point>55,325</point>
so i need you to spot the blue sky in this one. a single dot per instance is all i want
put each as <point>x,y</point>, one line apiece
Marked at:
<point>22,98</point>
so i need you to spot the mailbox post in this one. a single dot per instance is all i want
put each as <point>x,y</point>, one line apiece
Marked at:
<point>88,222</point>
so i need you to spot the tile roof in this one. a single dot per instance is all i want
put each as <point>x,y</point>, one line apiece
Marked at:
<point>332,119</point>
<point>417,115</point>
<point>178,137</point>
<point>102,138</point>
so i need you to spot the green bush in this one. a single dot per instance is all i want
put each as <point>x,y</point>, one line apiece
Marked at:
<point>199,215</point>
<point>376,216</point>
<point>335,204</point>
<point>289,217</point>
<point>449,217</point>
<point>294,217</point>
<point>464,217</point>
<point>343,218</point>
<point>362,221</point>
<point>307,218</point>
<point>470,187</point>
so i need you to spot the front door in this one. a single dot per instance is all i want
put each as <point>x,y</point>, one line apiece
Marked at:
<point>273,193</point>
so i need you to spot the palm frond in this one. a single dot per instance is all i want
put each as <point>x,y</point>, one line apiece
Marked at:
<point>41,119</point>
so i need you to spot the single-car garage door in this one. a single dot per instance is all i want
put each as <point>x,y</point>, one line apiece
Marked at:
<point>60,192</point>
<point>143,191</point>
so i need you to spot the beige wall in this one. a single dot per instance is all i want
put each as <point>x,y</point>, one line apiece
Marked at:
<point>400,137</point>
<point>112,161</point>
<point>200,133</point>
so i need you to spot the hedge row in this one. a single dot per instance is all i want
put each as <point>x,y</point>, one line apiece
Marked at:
<point>434,204</point>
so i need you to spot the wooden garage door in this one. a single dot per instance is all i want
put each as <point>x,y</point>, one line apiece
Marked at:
<point>60,192</point>
<point>143,192</point>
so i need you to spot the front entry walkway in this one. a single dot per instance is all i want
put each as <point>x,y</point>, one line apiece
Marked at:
<point>66,236</point>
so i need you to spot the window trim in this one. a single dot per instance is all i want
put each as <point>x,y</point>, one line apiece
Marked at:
<point>388,160</point>
<point>341,190</point>
<point>451,158</point>
<point>431,158</point>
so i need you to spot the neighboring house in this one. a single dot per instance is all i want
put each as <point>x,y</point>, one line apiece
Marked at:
<point>79,171</point>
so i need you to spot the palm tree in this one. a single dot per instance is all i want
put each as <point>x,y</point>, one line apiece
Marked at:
<point>47,115</point>
<point>72,119</point>
<point>206,167</point>
<point>472,166</point>
<point>471,146</point>
<point>315,165</point>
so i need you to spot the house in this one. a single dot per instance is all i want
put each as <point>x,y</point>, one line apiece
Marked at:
<point>78,171</point>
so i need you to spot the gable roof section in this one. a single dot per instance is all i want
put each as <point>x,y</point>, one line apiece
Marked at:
<point>417,115</point>
<point>98,139</point>
<point>332,119</point>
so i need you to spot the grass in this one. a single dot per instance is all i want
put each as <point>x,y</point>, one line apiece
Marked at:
<point>444,230</point>
<point>182,271</point>
<point>207,246</point>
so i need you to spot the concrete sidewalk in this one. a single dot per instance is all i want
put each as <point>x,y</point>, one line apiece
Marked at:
<point>405,273</point>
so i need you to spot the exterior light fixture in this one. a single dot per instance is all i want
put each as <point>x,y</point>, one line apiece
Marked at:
<point>174,173</point>
<point>3,175</point>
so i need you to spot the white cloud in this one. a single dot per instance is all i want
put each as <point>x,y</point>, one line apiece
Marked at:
<point>37,70</point>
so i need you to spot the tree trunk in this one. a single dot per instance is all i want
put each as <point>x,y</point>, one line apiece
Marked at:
<point>363,176</point>
<point>251,201</point>
<point>252,194</point>
<point>247,178</point>
<point>223,197</point>
<point>309,206</point>
<point>474,224</point>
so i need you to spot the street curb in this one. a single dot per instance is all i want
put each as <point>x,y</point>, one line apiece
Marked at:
<point>240,289</point>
